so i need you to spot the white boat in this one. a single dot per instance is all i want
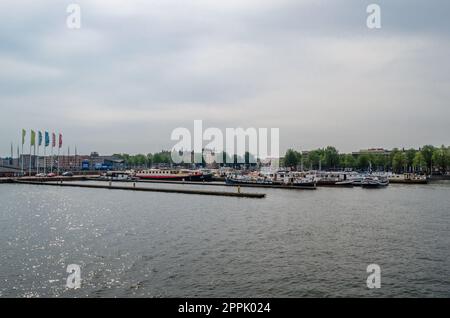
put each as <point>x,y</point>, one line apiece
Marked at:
<point>240,179</point>
<point>374,182</point>
<point>304,182</point>
<point>329,178</point>
<point>279,179</point>
<point>118,175</point>
<point>356,179</point>
<point>411,178</point>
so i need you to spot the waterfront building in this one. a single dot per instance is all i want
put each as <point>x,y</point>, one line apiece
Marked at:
<point>97,162</point>
<point>6,172</point>
<point>66,163</point>
<point>7,161</point>
<point>372,151</point>
<point>26,161</point>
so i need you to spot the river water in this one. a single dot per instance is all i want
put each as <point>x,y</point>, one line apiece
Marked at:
<point>293,243</point>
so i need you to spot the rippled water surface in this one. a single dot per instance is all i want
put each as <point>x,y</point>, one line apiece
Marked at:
<point>293,243</point>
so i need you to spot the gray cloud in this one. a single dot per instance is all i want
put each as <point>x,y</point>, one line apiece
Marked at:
<point>138,69</point>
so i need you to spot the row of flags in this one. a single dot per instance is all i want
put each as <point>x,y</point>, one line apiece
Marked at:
<point>40,138</point>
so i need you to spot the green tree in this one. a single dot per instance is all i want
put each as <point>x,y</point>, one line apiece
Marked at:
<point>419,163</point>
<point>441,158</point>
<point>250,159</point>
<point>427,153</point>
<point>363,161</point>
<point>157,158</point>
<point>349,161</point>
<point>330,157</point>
<point>410,155</point>
<point>399,162</point>
<point>291,158</point>
<point>313,159</point>
<point>236,159</point>
<point>226,159</point>
<point>380,162</point>
<point>393,153</point>
<point>140,160</point>
<point>149,160</point>
<point>132,161</point>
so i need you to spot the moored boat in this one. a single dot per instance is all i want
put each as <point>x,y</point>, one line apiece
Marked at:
<point>333,179</point>
<point>304,183</point>
<point>356,179</point>
<point>257,180</point>
<point>345,183</point>
<point>172,175</point>
<point>117,176</point>
<point>240,179</point>
<point>410,178</point>
<point>374,182</point>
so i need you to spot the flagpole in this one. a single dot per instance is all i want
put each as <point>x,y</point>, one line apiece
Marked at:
<point>45,154</point>
<point>53,145</point>
<point>29,171</point>
<point>21,158</point>
<point>60,144</point>
<point>46,144</point>
<point>37,163</point>
<point>58,161</point>
<point>34,155</point>
<point>68,157</point>
<point>76,161</point>
<point>51,161</point>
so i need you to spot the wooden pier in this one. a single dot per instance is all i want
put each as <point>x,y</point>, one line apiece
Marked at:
<point>61,183</point>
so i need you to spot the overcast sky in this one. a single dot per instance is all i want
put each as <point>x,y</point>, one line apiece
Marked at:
<point>138,69</point>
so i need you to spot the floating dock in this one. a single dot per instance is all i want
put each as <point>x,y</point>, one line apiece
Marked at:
<point>46,179</point>
<point>213,183</point>
<point>237,194</point>
<point>55,178</point>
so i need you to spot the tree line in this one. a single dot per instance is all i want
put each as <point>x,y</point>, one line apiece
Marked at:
<point>165,158</point>
<point>397,160</point>
<point>423,160</point>
<point>145,160</point>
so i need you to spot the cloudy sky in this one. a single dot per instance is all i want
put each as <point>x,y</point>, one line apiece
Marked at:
<point>138,69</point>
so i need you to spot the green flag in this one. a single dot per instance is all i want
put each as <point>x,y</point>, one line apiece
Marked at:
<point>24,133</point>
<point>33,138</point>
<point>39,138</point>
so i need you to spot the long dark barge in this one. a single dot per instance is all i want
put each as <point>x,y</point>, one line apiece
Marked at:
<point>219,184</point>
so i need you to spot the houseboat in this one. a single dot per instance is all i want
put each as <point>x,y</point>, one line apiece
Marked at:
<point>336,179</point>
<point>118,176</point>
<point>374,182</point>
<point>411,178</point>
<point>172,174</point>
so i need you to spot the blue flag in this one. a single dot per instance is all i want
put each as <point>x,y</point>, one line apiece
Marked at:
<point>39,138</point>
<point>47,139</point>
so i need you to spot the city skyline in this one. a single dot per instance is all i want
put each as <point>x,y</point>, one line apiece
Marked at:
<point>72,150</point>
